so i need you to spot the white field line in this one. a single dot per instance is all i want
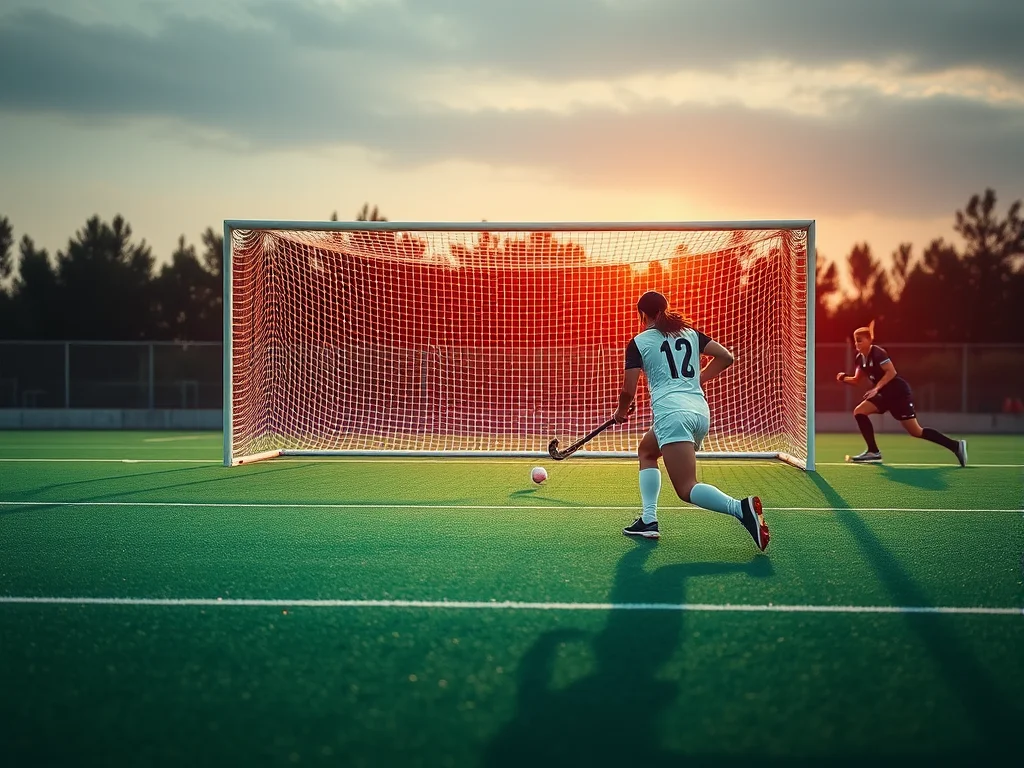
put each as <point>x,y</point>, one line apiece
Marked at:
<point>121,461</point>
<point>951,465</point>
<point>494,507</point>
<point>175,439</point>
<point>510,605</point>
<point>510,460</point>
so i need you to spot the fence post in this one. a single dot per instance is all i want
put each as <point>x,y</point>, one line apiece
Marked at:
<point>67,374</point>
<point>152,399</point>
<point>848,365</point>
<point>963,378</point>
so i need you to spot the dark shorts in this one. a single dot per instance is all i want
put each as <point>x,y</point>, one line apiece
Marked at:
<point>898,401</point>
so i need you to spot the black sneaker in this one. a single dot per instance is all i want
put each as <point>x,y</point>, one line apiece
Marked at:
<point>961,452</point>
<point>868,457</point>
<point>640,528</point>
<point>753,521</point>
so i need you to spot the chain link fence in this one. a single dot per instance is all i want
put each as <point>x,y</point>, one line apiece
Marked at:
<point>97,374</point>
<point>965,378</point>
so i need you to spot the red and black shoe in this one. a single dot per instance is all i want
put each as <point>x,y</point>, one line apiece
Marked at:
<point>753,521</point>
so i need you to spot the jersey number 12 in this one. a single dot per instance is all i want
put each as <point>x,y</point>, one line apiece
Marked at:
<point>688,372</point>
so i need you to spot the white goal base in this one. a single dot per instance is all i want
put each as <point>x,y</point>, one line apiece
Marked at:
<point>795,461</point>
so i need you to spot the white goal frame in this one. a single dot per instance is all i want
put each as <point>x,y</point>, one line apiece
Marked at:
<point>233,225</point>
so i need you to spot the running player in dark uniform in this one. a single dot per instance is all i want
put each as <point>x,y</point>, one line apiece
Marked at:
<point>889,392</point>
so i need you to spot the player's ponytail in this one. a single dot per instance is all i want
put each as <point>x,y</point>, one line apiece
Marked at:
<point>669,321</point>
<point>866,330</point>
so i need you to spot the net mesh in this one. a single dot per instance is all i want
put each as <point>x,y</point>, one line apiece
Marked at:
<point>497,341</point>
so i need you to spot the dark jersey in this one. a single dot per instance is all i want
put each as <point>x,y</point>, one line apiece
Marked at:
<point>872,367</point>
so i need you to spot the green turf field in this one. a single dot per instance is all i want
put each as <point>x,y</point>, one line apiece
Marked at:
<point>157,608</point>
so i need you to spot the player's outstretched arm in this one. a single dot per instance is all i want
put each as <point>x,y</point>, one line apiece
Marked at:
<point>844,379</point>
<point>721,358</point>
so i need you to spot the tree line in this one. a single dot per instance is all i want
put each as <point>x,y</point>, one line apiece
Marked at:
<point>105,285</point>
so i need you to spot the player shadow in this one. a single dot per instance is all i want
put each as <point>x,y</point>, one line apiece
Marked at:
<point>982,701</point>
<point>925,478</point>
<point>610,716</point>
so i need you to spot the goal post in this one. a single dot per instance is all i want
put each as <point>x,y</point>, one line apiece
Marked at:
<point>489,339</point>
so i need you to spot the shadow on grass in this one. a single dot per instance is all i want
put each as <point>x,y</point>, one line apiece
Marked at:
<point>26,504</point>
<point>925,478</point>
<point>983,702</point>
<point>533,494</point>
<point>526,493</point>
<point>119,478</point>
<point>609,716</point>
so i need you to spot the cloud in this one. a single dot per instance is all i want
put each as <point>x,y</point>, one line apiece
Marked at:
<point>276,74</point>
<point>904,161</point>
<point>603,38</point>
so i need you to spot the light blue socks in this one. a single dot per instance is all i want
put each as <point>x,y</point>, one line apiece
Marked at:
<point>650,487</point>
<point>709,497</point>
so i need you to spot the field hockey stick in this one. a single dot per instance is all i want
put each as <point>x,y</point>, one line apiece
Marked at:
<point>558,455</point>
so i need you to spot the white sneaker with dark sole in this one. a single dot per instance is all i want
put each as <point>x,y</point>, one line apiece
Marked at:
<point>868,457</point>
<point>961,452</point>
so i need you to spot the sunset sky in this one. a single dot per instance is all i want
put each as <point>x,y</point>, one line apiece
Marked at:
<point>877,118</point>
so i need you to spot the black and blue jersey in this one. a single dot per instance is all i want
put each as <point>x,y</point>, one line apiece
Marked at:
<point>871,366</point>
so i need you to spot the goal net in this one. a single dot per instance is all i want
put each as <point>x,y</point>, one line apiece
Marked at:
<point>490,339</point>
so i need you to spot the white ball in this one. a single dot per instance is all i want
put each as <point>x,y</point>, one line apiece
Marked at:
<point>539,475</point>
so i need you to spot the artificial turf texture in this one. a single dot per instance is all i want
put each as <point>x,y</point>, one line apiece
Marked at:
<point>386,684</point>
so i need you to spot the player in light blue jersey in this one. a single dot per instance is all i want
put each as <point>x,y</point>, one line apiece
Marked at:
<point>668,352</point>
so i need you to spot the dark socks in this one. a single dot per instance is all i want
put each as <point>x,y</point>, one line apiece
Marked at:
<point>937,437</point>
<point>869,432</point>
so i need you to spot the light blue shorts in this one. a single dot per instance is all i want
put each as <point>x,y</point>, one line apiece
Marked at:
<point>680,427</point>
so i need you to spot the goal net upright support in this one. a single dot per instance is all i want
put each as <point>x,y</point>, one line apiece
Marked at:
<point>489,339</point>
